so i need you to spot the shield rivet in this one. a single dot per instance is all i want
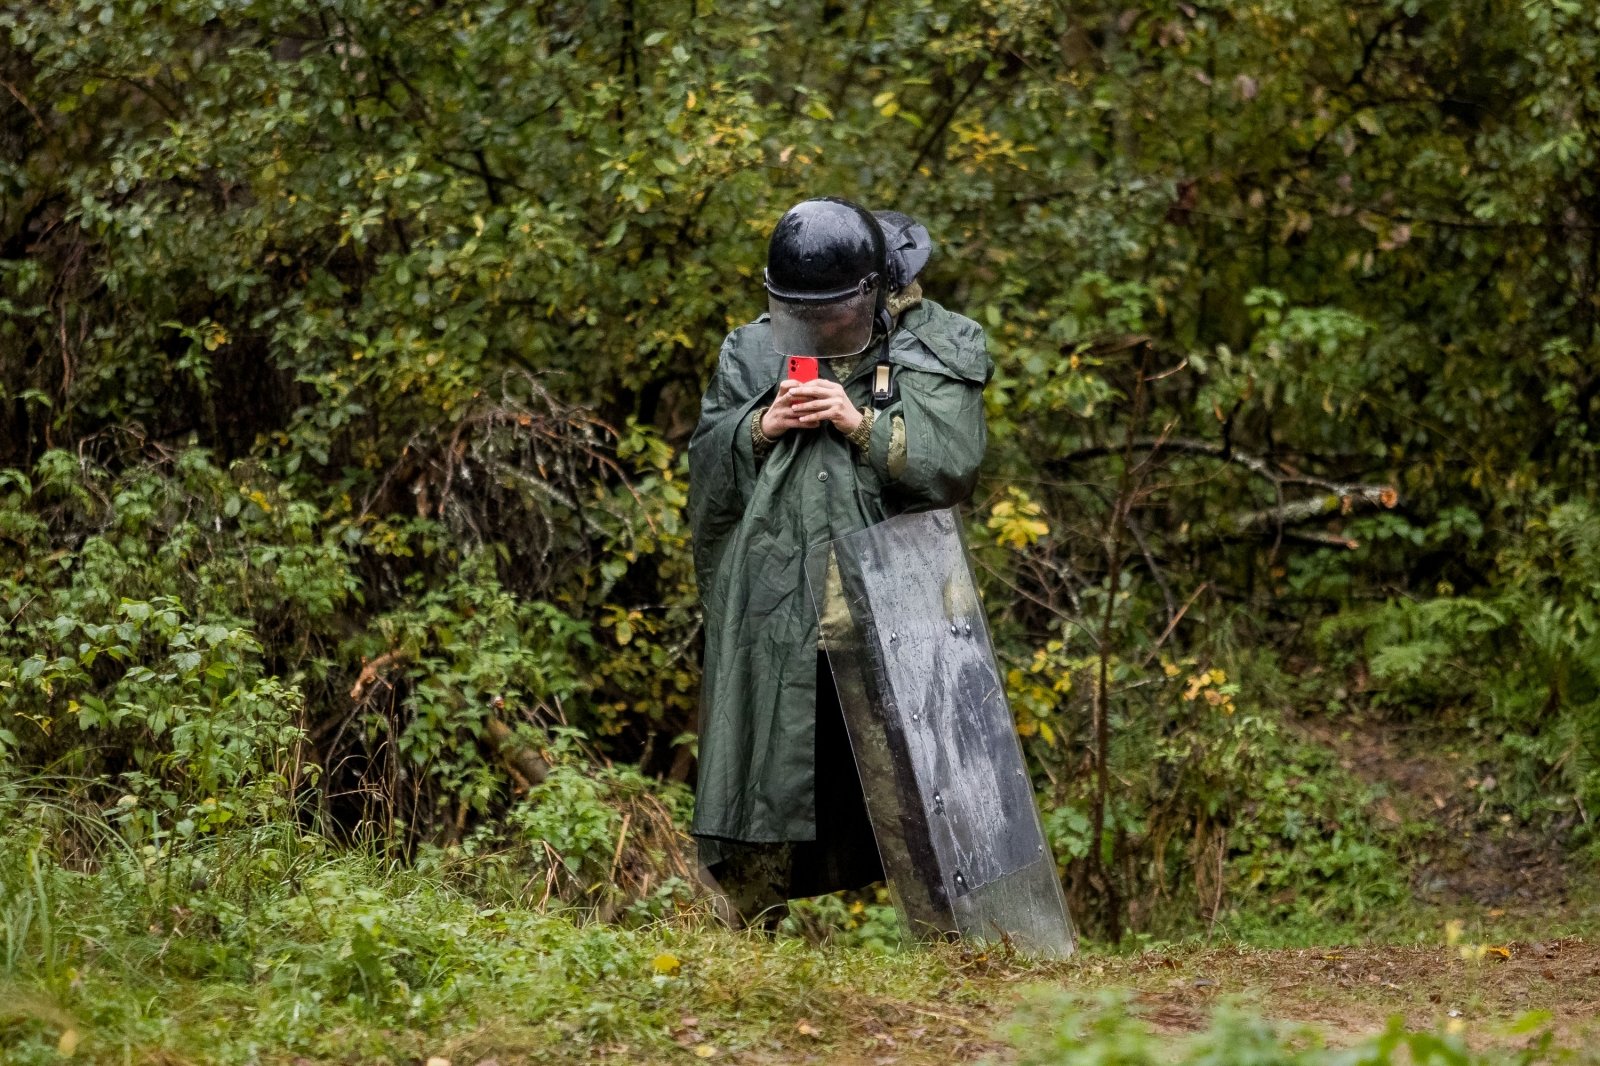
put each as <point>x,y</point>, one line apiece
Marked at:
<point>969,629</point>
<point>893,637</point>
<point>952,629</point>
<point>822,476</point>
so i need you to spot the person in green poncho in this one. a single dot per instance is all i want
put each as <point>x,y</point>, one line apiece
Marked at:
<point>893,422</point>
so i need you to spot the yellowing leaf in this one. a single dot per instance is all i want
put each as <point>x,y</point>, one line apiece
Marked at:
<point>1016,520</point>
<point>704,1051</point>
<point>68,1043</point>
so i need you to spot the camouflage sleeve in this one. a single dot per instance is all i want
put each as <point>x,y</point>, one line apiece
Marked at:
<point>897,447</point>
<point>861,436</point>
<point>760,443</point>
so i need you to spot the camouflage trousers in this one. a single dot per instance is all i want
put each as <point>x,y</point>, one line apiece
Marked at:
<point>753,882</point>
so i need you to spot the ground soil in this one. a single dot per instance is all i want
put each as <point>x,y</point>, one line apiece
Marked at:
<point>1345,994</point>
<point>1469,845</point>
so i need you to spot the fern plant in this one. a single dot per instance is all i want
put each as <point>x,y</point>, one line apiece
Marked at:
<point>1518,665</point>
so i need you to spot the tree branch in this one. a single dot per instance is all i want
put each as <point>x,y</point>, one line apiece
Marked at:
<point>1205,449</point>
<point>1310,509</point>
<point>1332,496</point>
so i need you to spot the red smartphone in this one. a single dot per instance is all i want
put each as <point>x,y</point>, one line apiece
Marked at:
<point>803,367</point>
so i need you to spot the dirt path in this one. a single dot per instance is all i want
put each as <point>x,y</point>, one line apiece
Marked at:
<point>1473,849</point>
<point>1351,992</point>
<point>1346,993</point>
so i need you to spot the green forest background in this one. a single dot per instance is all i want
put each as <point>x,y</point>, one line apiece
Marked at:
<point>349,352</point>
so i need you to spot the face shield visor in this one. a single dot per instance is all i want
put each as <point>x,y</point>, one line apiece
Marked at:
<point>826,325</point>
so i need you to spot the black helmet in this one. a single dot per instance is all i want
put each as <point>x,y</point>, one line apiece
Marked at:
<point>824,278</point>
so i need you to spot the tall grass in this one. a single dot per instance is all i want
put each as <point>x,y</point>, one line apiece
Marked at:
<point>122,940</point>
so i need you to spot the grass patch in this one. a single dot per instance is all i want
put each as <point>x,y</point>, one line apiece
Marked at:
<point>260,942</point>
<point>267,955</point>
<point>352,959</point>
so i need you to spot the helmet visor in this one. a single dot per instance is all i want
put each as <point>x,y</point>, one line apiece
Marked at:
<point>823,328</point>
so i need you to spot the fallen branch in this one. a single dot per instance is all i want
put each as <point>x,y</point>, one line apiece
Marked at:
<point>1342,501</point>
<point>370,670</point>
<point>1185,445</point>
<point>523,762</point>
<point>1333,497</point>
<point>1204,449</point>
<point>1326,540</point>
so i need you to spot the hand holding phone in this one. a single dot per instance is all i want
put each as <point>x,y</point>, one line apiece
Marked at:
<point>780,417</point>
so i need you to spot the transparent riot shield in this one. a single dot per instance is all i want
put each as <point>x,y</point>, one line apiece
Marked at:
<point>951,804</point>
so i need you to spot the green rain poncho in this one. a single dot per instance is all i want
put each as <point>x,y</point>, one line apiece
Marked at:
<point>753,523</point>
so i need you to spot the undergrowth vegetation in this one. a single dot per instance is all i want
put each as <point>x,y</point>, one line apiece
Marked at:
<point>259,940</point>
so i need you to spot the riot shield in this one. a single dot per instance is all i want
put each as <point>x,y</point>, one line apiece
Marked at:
<point>951,804</point>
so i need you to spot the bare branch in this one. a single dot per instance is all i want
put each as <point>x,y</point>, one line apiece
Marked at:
<point>1223,453</point>
<point>1308,510</point>
<point>1326,540</point>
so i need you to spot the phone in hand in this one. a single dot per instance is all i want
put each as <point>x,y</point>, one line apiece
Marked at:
<point>802,368</point>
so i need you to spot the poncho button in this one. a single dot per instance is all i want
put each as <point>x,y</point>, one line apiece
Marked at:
<point>823,476</point>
